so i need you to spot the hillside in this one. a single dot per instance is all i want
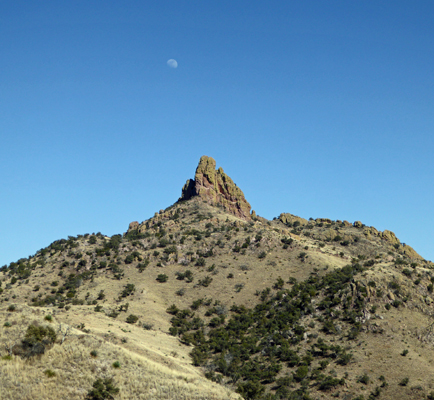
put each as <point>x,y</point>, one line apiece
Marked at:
<point>207,300</point>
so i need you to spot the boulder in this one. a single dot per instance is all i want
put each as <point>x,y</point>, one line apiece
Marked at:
<point>289,219</point>
<point>390,237</point>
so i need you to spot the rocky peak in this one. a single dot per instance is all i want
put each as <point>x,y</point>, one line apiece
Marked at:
<point>216,188</point>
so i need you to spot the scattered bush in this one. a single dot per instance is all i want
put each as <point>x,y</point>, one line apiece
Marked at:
<point>162,278</point>
<point>129,289</point>
<point>36,339</point>
<point>102,389</point>
<point>404,382</point>
<point>200,262</point>
<point>364,379</point>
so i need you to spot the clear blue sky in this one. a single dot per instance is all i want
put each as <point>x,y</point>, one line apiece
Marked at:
<point>317,108</point>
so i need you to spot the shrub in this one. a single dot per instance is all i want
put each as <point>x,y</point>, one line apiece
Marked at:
<point>180,292</point>
<point>36,340</point>
<point>279,283</point>
<point>94,353</point>
<point>344,358</point>
<point>364,379</point>
<point>262,255</point>
<point>129,289</point>
<point>205,282</point>
<point>404,352</point>
<point>141,266</point>
<point>129,259</point>
<point>251,389</point>
<point>407,272</point>
<point>102,389</point>
<point>116,364</point>
<point>48,318</point>
<point>132,319</point>
<point>162,278</point>
<point>200,262</point>
<point>239,287</point>
<point>12,308</point>
<point>301,373</point>
<point>49,373</point>
<point>404,382</point>
<point>330,382</point>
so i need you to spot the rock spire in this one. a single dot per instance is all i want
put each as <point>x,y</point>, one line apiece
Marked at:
<point>216,188</point>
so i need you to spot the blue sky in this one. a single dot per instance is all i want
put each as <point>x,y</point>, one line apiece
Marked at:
<point>320,109</point>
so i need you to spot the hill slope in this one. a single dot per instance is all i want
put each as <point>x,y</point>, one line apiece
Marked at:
<point>278,309</point>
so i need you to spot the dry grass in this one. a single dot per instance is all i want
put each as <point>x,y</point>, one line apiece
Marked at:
<point>153,364</point>
<point>162,372</point>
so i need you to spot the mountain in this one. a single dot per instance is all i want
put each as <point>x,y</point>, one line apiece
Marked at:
<point>208,300</point>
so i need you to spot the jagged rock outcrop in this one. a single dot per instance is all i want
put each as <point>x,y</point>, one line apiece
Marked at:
<point>289,219</point>
<point>216,188</point>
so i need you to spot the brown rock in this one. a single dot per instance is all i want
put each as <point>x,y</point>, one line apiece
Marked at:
<point>390,237</point>
<point>289,219</point>
<point>410,252</point>
<point>133,226</point>
<point>216,188</point>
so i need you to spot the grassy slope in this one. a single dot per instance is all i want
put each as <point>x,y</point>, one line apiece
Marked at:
<point>155,364</point>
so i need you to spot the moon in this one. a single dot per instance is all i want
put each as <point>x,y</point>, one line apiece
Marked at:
<point>172,63</point>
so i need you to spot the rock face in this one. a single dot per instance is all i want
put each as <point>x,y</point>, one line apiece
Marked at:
<point>216,188</point>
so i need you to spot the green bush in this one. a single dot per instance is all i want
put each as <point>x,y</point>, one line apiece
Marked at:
<point>162,278</point>
<point>205,282</point>
<point>200,262</point>
<point>404,382</point>
<point>129,259</point>
<point>132,319</point>
<point>364,379</point>
<point>329,382</point>
<point>116,364</point>
<point>102,389</point>
<point>129,289</point>
<point>301,373</point>
<point>36,339</point>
